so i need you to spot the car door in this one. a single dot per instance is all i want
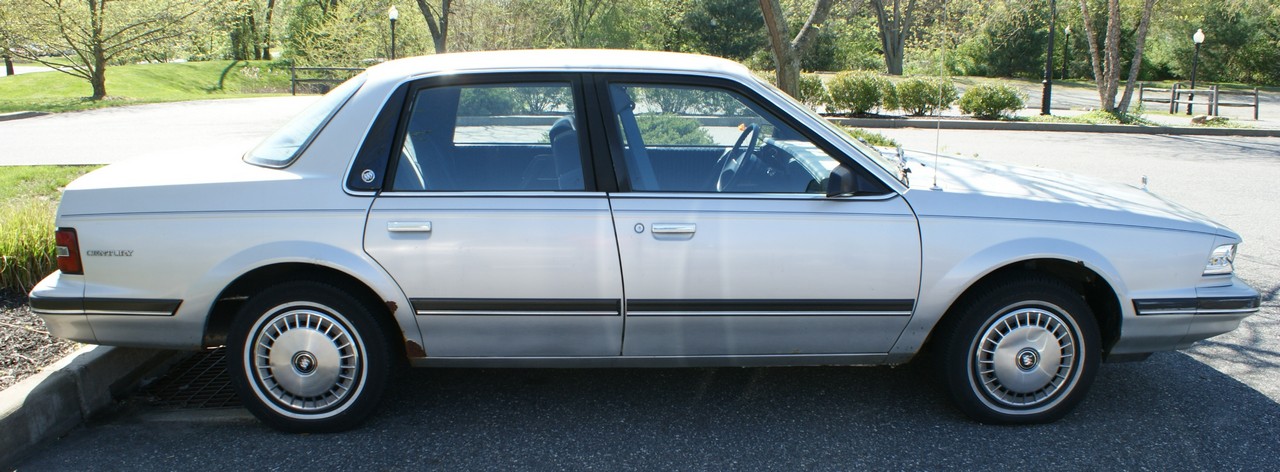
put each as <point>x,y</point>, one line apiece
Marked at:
<point>730,245</point>
<point>489,226</point>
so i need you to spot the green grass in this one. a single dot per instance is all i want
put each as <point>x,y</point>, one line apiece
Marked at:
<point>28,200</point>
<point>40,182</point>
<point>143,83</point>
<point>1096,117</point>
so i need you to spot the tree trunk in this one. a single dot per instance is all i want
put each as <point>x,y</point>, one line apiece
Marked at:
<point>893,32</point>
<point>8,64</point>
<point>98,53</point>
<point>1140,43</point>
<point>98,77</point>
<point>1112,68</point>
<point>439,27</point>
<point>786,55</point>
<point>266,31</point>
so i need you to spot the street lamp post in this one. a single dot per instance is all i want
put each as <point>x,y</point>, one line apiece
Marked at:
<point>1047,95</point>
<point>393,14</point>
<point>1195,62</point>
<point>1066,50</point>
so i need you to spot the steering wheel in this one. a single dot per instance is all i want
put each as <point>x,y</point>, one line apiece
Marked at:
<point>733,164</point>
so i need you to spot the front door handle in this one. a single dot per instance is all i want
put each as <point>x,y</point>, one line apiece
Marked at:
<point>674,228</point>
<point>409,226</point>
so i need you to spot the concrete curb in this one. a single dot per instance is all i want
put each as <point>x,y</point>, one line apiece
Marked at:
<point>18,115</point>
<point>63,395</point>
<point>1063,127</point>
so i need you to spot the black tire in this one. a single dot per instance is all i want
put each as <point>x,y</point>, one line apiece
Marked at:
<point>1024,350</point>
<point>307,357</point>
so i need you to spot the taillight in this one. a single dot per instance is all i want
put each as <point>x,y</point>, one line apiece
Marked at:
<point>68,251</point>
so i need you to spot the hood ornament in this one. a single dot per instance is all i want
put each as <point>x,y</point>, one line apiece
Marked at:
<point>1144,183</point>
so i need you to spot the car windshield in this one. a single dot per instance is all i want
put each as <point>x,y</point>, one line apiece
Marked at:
<point>866,149</point>
<point>283,146</point>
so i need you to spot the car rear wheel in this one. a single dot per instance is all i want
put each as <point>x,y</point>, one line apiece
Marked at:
<point>1023,351</point>
<point>307,357</point>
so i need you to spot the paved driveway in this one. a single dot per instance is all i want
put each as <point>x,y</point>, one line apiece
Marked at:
<point>111,135</point>
<point>1216,406</point>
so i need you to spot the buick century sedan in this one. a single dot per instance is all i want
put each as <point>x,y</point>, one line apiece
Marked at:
<point>621,209</point>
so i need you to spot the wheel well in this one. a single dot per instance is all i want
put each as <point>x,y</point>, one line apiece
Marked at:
<point>1095,290</point>
<point>249,284</point>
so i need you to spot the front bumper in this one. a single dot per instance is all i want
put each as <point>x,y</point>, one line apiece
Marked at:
<point>1176,323</point>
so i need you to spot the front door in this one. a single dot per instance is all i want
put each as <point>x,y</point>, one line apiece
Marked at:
<point>729,244</point>
<point>491,229</point>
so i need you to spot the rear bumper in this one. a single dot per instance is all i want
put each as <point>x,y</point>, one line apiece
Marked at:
<point>1177,323</point>
<point>59,300</point>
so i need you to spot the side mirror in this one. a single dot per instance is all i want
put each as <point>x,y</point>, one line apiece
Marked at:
<point>842,182</point>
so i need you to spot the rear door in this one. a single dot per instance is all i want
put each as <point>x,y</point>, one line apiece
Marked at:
<point>729,244</point>
<point>490,225</point>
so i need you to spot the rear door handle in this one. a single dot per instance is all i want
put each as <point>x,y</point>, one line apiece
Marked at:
<point>409,226</point>
<point>674,228</point>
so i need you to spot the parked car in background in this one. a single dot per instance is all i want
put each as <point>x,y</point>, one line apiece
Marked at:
<point>620,209</point>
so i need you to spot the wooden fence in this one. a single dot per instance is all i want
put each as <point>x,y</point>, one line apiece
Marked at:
<point>319,79</point>
<point>1212,98</point>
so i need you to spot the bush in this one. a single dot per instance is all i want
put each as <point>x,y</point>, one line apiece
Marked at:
<point>924,96</point>
<point>871,137</point>
<point>812,92</point>
<point>857,92</point>
<point>988,101</point>
<point>26,243</point>
<point>671,130</point>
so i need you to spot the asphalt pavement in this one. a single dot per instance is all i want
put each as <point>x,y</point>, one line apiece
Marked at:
<point>1215,406</point>
<point>111,135</point>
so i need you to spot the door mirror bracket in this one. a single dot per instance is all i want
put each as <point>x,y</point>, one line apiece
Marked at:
<point>842,182</point>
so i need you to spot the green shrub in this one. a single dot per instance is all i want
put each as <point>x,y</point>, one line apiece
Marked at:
<point>671,130</point>
<point>857,92</point>
<point>871,137</point>
<point>26,243</point>
<point>988,101</point>
<point>812,92</point>
<point>889,95</point>
<point>923,96</point>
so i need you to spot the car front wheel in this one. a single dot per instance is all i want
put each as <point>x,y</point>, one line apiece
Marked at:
<point>307,357</point>
<point>1023,351</point>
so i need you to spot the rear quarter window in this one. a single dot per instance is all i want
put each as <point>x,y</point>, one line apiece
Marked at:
<point>282,147</point>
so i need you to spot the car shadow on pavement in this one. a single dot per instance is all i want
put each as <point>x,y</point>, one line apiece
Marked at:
<point>1168,413</point>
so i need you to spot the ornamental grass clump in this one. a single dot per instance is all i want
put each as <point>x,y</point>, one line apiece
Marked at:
<point>26,243</point>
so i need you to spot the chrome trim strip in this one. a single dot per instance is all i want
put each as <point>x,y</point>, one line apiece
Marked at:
<point>767,313</point>
<point>128,313</point>
<point>1227,312</point>
<point>57,312</point>
<point>515,313</point>
<point>1197,306</point>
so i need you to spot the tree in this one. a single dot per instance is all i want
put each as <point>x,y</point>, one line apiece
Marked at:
<point>438,22</point>
<point>723,28</point>
<point>895,26</point>
<point>1106,70</point>
<point>8,34</point>
<point>90,33</point>
<point>786,54</point>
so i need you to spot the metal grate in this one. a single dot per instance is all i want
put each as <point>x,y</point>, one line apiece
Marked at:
<point>198,382</point>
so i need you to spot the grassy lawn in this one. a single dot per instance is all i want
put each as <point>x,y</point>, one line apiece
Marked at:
<point>40,182</point>
<point>28,199</point>
<point>143,83</point>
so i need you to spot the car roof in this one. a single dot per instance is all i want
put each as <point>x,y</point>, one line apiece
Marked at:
<point>568,60</point>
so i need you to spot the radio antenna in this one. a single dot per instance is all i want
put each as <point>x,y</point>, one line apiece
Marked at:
<point>945,74</point>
